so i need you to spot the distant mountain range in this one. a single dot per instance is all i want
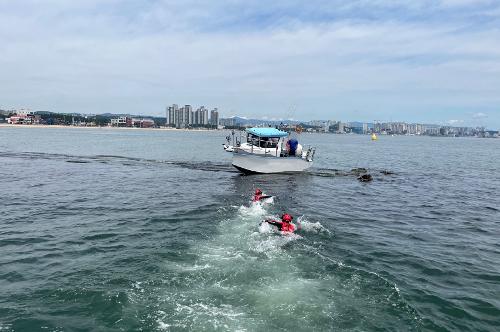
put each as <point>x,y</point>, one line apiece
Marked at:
<point>255,122</point>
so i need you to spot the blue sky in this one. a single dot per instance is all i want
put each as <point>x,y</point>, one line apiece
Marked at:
<point>431,61</point>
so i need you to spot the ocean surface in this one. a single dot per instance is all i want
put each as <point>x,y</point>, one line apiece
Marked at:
<point>145,230</point>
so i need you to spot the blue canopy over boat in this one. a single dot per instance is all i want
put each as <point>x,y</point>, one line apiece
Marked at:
<point>267,132</point>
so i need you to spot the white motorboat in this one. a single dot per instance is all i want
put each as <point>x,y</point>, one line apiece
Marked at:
<point>269,150</point>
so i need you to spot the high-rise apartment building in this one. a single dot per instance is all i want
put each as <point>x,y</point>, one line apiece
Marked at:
<point>198,116</point>
<point>172,114</point>
<point>214,117</point>
<point>201,116</point>
<point>184,116</point>
<point>188,115</point>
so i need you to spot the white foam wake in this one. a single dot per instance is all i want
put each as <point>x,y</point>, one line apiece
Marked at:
<point>255,209</point>
<point>245,259</point>
<point>311,227</point>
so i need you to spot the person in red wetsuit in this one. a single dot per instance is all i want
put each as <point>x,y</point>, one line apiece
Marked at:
<point>285,225</point>
<point>258,195</point>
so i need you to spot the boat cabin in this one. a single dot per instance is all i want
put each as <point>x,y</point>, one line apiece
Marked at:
<point>266,141</point>
<point>265,137</point>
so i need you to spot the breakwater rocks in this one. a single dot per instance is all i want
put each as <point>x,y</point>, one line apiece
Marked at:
<point>365,178</point>
<point>360,173</point>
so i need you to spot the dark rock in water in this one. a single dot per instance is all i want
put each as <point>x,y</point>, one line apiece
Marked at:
<point>365,178</point>
<point>358,171</point>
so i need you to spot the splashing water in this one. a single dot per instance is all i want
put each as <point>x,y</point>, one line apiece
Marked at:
<point>311,227</point>
<point>269,200</point>
<point>255,209</point>
<point>250,277</point>
<point>241,262</point>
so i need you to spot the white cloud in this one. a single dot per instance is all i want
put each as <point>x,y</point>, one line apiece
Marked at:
<point>461,3</point>
<point>479,115</point>
<point>100,56</point>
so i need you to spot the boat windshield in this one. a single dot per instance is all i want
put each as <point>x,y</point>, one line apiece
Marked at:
<point>263,142</point>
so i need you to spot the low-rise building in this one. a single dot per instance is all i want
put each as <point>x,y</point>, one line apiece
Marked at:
<point>125,121</point>
<point>122,121</point>
<point>24,117</point>
<point>143,123</point>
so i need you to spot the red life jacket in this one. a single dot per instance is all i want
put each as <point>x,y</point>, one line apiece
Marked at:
<point>257,198</point>
<point>287,227</point>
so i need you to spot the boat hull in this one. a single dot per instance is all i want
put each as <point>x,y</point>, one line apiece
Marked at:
<point>251,163</point>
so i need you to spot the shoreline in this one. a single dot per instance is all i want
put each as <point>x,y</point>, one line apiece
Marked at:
<point>7,125</point>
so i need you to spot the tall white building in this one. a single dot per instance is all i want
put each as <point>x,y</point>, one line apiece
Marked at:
<point>214,117</point>
<point>188,115</point>
<point>196,118</point>
<point>171,114</point>
<point>183,118</point>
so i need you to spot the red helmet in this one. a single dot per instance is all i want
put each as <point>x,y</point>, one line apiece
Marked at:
<point>258,191</point>
<point>286,217</point>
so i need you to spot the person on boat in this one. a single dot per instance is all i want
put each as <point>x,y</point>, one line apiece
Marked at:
<point>291,146</point>
<point>258,195</point>
<point>285,225</point>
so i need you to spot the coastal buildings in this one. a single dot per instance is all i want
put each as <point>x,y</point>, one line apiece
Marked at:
<point>185,117</point>
<point>122,121</point>
<point>202,117</point>
<point>125,121</point>
<point>403,128</point>
<point>398,128</point>
<point>382,128</point>
<point>24,116</point>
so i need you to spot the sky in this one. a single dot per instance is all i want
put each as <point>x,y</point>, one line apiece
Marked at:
<point>428,61</point>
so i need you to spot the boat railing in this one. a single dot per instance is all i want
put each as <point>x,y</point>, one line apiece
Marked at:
<point>268,152</point>
<point>307,155</point>
<point>310,154</point>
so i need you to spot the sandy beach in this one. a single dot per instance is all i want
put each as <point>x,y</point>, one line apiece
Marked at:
<point>6,125</point>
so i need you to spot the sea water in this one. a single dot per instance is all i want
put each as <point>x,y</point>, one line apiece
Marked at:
<point>148,230</point>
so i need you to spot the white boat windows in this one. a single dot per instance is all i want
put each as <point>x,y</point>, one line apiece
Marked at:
<point>263,142</point>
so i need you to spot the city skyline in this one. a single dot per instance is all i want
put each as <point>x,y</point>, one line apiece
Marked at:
<point>186,117</point>
<point>181,117</point>
<point>431,61</point>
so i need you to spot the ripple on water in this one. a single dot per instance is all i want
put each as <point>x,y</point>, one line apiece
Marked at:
<point>248,277</point>
<point>174,250</point>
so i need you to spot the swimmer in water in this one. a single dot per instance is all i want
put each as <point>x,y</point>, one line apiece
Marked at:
<point>285,225</point>
<point>258,195</point>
